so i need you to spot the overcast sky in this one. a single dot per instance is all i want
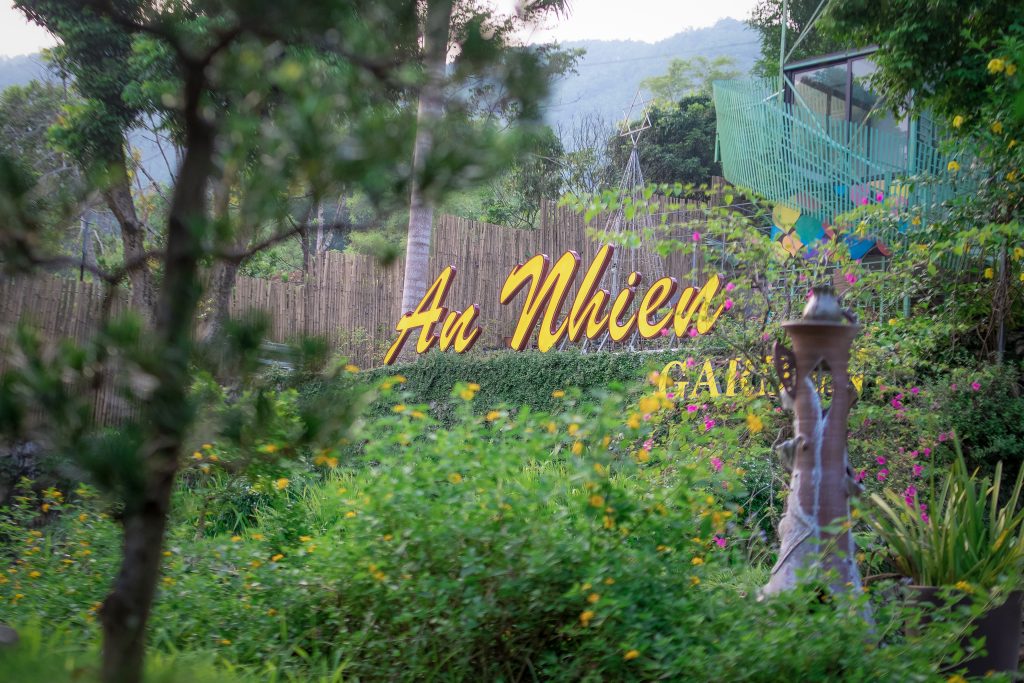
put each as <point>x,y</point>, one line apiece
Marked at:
<point>647,20</point>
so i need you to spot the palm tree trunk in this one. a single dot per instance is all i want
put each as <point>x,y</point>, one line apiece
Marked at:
<point>431,102</point>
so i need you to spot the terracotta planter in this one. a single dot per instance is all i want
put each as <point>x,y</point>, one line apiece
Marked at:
<point>1001,628</point>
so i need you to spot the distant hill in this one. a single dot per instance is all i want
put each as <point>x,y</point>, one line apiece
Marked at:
<point>611,71</point>
<point>22,69</point>
<point>606,80</point>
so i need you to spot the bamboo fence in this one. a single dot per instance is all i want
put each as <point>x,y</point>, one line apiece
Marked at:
<point>350,299</point>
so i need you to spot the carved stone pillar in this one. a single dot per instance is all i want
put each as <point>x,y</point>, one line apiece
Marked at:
<point>814,527</point>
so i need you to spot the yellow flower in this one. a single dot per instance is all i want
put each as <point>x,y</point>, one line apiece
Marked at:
<point>493,415</point>
<point>399,378</point>
<point>754,423</point>
<point>956,678</point>
<point>271,612</point>
<point>953,167</point>
<point>586,616</point>
<point>281,484</point>
<point>964,586</point>
<point>649,404</point>
<point>596,501</point>
<point>593,598</point>
<point>214,458</point>
<point>989,273</point>
<point>997,127</point>
<point>1011,144</point>
<point>305,539</point>
<point>455,478</point>
<point>608,522</point>
<point>958,121</point>
<point>633,422</point>
<point>609,581</point>
<point>256,537</point>
<point>1011,69</point>
<point>697,561</point>
<point>417,414</point>
<point>663,549</point>
<point>643,455</point>
<point>350,514</point>
<point>916,220</point>
<point>399,408</point>
<point>236,539</point>
<point>1012,176</point>
<point>466,394</point>
<point>196,455</point>
<point>557,393</point>
<point>207,446</point>
<point>45,507</point>
<point>277,558</point>
<point>577,448</point>
<point>606,441</point>
<point>631,654</point>
<point>225,641</point>
<point>167,553</point>
<point>573,428</point>
<point>34,574</point>
<point>1021,278</point>
<point>694,581</point>
<point>473,386</point>
<point>387,537</point>
<point>351,368</point>
<point>996,65</point>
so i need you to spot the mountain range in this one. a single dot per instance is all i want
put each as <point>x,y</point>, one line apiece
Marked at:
<point>604,82</point>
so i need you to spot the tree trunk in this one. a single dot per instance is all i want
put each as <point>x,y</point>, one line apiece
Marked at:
<point>421,210</point>
<point>119,198</point>
<point>222,283</point>
<point>167,413</point>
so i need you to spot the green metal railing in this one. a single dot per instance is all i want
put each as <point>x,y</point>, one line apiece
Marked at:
<point>821,165</point>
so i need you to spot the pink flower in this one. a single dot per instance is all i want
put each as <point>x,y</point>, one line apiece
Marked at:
<point>952,386</point>
<point>882,474</point>
<point>664,332</point>
<point>708,424</point>
<point>716,464</point>
<point>670,395</point>
<point>648,445</point>
<point>720,542</point>
<point>943,436</point>
<point>918,469</point>
<point>802,277</point>
<point>693,331</point>
<point>896,404</point>
<point>727,304</point>
<point>880,460</point>
<point>924,517</point>
<point>927,452</point>
<point>975,386</point>
<point>915,391</point>
<point>879,197</point>
<point>850,278</point>
<point>860,476</point>
<point>864,201</point>
<point>691,408</point>
<point>729,286</point>
<point>899,397</point>
<point>765,337</point>
<point>690,363</point>
<point>647,416</point>
<point>696,237</point>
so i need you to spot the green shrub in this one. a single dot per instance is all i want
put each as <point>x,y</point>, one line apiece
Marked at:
<point>514,545</point>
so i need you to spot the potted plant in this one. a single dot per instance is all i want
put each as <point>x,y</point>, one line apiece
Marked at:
<point>967,541</point>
